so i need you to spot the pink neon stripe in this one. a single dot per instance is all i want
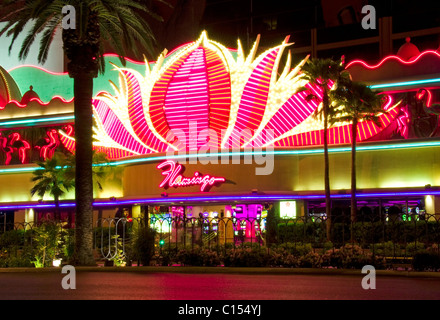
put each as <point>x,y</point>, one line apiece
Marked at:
<point>392,57</point>
<point>187,100</point>
<point>336,133</point>
<point>292,113</point>
<point>137,117</point>
<point>253,102</point>
<point>18,104</point>
<point>116,130</point>
<point>112,153</point>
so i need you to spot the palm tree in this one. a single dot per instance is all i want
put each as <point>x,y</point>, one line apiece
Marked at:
<point>99,24</point>
<point>324,73</point>
<point>355,102</point>
<point>101,169</point>
<point>51,178</point>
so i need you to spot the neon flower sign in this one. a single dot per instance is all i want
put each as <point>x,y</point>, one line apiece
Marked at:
<point>204,96</point>
<point>174,177</point>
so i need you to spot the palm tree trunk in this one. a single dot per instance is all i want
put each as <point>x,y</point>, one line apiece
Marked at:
<point>328,207</point>
<point>353,171</point>
<point>57,209</point>
<point>353,176</point>
<point>83,91</point>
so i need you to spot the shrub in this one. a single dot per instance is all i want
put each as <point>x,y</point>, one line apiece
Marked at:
<point>142,244</point>
<point>310,260</point>
<point>16,262</point>
<point>296,249</point>
<point>387,249</point>
<point>351,257</point>
<point>291,261</point>
<point>246,258</point>
<point>198,257</point>
<point>413,248</point>
<point>426,261</point>
<point>12,238</point>
<point>299,231</point>
<point>50,241</point>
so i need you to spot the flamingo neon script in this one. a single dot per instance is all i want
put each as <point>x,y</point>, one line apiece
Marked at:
<point>174,177</point>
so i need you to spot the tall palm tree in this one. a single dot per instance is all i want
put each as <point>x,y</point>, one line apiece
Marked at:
<point>99,24</point>
<point>50,178</point>
<point>354,102</point>
<point>323,73</point>
<point>101,169</point>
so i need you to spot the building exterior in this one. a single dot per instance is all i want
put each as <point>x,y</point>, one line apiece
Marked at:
<point>208,131</point>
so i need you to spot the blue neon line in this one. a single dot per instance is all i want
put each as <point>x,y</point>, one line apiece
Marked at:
<point>7,123</point>
<point>406,83</point>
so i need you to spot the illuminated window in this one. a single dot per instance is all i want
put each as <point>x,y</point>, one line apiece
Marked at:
<point>288,209</point>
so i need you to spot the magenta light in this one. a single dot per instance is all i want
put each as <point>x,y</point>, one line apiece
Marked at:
<point>199,197</point>
<point>174,178</point>
<point>393,57</point>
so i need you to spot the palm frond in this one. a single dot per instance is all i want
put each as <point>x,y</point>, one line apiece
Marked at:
<point>356,101</point>
<point>120,25</point>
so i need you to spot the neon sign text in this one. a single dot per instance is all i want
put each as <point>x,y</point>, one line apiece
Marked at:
<point>174,177</point>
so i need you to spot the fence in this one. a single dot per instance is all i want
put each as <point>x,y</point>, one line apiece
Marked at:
<point>392,237</point>
<point>395,238</point>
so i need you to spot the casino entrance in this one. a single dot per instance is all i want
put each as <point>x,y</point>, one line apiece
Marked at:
<point>207,224</point>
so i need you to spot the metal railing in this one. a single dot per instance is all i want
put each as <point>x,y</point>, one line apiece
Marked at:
<point>387,236</point>
<point>395,238</point>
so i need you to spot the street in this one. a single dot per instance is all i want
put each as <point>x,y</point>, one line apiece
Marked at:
<point>181,286</point>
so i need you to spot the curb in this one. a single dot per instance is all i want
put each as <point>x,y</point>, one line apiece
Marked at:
<point>231,270</point>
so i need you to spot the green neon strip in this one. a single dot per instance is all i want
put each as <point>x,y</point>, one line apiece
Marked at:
<point>280,152</point>
<point>18,170</point>
<point>407,83</point>
<point>8,123</point>
<point>248,153</point>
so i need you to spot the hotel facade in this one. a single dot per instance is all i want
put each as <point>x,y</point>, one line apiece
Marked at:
<point>212,131</point>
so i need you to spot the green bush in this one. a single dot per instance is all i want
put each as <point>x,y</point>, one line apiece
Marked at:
<point>12,238</point>
<point>426,261</point>
<point>296,249</point>
<point>16,262</point>
<point>198,257</point>
<point>387,249</point>
<point>364,232</point>
<point>246,257</point>
<point>299,231</point>
<point>49,242</point>
<point>310,260</point>
<point>351,257</point>
<point>142,244</point>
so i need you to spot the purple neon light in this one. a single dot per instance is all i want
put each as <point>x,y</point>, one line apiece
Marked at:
<point>257,198</point>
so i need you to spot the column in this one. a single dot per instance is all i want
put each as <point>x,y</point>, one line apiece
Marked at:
<point>29,218</point>
<point>432,205</point>
<point>385,39</point>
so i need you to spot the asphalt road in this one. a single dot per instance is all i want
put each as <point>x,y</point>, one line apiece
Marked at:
<point>180,286</point>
